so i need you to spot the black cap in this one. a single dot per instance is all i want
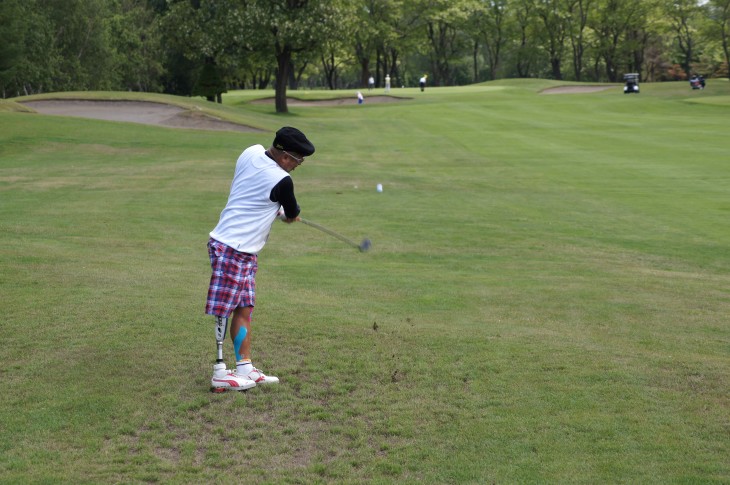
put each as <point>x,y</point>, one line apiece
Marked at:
<point>293,140</point>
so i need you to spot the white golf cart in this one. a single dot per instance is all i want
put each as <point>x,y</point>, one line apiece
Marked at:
<point>632,83</point>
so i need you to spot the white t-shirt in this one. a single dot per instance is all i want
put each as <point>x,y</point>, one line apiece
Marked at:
<point>246,220</point>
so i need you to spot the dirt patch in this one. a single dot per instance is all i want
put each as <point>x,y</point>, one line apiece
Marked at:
<point>332,102</point>
<point>146,113</point>
<point>574,89</point>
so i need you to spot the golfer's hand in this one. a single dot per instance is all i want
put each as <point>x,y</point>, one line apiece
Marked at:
<point>283,217</point>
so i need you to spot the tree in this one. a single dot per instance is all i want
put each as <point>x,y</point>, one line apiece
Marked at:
<point>56,45</point>
<point>719,15</point>
<point>490,18</point>
<point>683,16</point>
<point>367,30</point>
<point>12,45</point>
<point>401,35</point>
<point>612,24</point>
<point>210,83</point>
<point>526,44</point>
<point>82,48</point>
<point>577,21</point>
<point>333,56</point>
<point>259,68</point>
<point>209,35</point>
<point>554,29</point>
<point>135,34</point>
<point>444,23</point>
<point>287,27</point>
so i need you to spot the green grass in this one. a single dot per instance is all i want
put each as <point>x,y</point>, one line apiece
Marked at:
<point>546,299</point>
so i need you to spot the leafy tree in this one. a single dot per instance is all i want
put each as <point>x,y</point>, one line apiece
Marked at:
<point>526,48</point>
<point>614,20</point>
<point>367,31</point>
<point>12,45</point>
<point>553,16</point>
<point>180,73</point>
<point>490,19</point>
<point>210,36</point>
<point>394,25</point>
<point>718,12</point>
<point>210,83</point>
<point>333,55</point>
<point>683,16</point>
<point>258,69</point>
<point>444,23</point>
<point>81,47</point>
<point>57,45</point>
<point>401,34</point>
<point>577,23</point>
<point>284,28</point>
<point>136,42</point>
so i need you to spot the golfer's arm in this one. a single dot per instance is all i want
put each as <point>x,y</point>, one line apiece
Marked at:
<point>283,193</point>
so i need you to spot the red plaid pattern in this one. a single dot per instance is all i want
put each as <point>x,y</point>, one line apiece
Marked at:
<point>233,282</point>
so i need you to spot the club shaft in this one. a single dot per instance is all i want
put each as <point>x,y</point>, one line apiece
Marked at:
<point>330,232</point>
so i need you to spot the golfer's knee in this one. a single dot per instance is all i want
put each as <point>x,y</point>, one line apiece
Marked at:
<point>243,314</point>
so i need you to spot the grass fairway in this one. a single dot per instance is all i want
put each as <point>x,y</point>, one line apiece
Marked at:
<point>546,299</point>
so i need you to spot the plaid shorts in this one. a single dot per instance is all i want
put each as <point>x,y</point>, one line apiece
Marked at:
<point>233,282</point>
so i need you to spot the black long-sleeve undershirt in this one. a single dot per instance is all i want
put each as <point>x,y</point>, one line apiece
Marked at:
<point>283,193</point>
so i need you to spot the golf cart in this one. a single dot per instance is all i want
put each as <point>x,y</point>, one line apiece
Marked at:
<point>697,82</point>
<point>632,83</point>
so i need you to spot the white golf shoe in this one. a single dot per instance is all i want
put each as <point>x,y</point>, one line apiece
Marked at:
<point>259,377</point>
<point>227,380</point>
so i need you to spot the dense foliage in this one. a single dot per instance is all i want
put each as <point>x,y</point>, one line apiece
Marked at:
<point>167,45</point>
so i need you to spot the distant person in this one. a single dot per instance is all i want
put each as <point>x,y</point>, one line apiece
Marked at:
<point>422,82</point>
<point>695,82</point>
<point>360,98</point>
<point>371,83</point>
<point>260,191</point>
<point>387,83</point>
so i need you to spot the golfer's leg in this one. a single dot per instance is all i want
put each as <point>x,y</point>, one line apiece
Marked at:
<point>242,323</point>
<point>241,332</point>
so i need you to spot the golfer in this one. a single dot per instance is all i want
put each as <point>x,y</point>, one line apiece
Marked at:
<point>261,190</point>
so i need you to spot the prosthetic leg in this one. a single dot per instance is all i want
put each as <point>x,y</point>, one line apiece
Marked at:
<point>221,327</point>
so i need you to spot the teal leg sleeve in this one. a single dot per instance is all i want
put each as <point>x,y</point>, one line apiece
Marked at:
<point>238,341</point>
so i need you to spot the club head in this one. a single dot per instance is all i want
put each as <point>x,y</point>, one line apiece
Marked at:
<point>365,245</point>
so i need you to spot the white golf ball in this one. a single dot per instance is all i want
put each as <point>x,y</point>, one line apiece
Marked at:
<point>379,187</point>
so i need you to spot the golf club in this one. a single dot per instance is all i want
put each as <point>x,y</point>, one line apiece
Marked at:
<point>363,246</point>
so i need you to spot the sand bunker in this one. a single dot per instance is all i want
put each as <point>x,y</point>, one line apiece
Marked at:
<point>147,113</point>
<point>160,114</point>
<point>574,89</point>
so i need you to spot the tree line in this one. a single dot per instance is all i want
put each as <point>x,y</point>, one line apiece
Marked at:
<point>205,47</point>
